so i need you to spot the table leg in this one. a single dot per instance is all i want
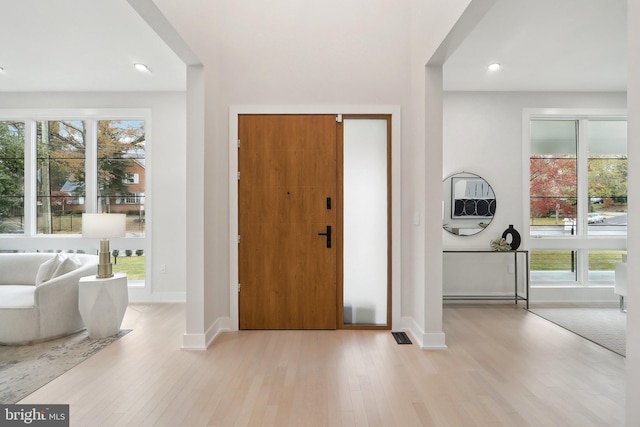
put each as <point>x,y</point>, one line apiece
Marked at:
<point>526,257</point>
<point>515,270</point>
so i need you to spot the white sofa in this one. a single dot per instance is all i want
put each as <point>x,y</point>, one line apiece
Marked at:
<point>39,295</point>
<point>620,287</point>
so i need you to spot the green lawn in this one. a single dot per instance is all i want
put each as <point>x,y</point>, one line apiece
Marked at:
<point>561,260</point>
<point>132,265</point>
<point>546,221</point>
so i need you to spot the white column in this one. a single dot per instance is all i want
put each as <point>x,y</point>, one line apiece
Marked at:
<point>434,337</point>
<point>194,337</point>
<point>633,242</point>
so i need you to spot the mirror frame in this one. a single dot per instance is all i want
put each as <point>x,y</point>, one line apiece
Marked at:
<point>472,209</point>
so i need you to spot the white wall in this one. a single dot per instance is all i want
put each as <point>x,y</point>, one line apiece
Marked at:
<point>165,189</point>
<point>483,135</point>
<point>286,52</point>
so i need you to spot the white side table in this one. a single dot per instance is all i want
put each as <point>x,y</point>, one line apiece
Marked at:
<point>102,303</point>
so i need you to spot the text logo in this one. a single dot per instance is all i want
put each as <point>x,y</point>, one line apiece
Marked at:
<point>34,415</point>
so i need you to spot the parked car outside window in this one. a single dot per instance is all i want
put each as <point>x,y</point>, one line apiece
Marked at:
<point>595,218</point>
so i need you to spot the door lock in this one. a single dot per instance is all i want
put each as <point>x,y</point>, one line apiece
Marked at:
<point>328,236</point>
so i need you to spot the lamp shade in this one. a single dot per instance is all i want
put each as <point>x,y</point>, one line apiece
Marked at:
<point>103,225</point>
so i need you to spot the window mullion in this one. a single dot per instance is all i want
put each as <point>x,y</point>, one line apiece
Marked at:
<point>30,178</point>
<point>583,205</point>
<point>583,181</point>
<point>91,166</point>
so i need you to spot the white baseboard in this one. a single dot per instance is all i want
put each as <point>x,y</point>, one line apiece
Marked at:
<point>433,341</point>
<point>426,341</point>
<point>203,341</point>
<point>219,326</point>
<point>194,342</point>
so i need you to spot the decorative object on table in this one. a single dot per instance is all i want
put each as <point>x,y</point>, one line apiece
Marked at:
<point>500,245</point>
<point>515,237</point>
<point>103,226</point>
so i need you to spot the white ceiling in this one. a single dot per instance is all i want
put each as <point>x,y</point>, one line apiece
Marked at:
<point>82,45</point>
<point>543,45</point>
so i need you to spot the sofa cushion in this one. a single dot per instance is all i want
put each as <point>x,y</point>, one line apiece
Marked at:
<point>46,269</point>
<point>67,265</point>
<point>12,296</point>
<point>21,268</point>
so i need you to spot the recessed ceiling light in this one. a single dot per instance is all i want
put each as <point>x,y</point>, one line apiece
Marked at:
<point>141,67</point>
<point>494,67</point>
<point>1,69</point>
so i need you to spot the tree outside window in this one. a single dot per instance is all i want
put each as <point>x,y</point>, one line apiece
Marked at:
<point>61,175</point>
<point>11,177</point>
<point>121,168</point>
<point>577,189</point>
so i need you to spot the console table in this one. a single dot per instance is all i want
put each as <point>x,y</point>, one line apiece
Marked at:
<point>516,297</point>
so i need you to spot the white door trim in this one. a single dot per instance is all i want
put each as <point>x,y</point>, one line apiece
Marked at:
<point>396,196</point>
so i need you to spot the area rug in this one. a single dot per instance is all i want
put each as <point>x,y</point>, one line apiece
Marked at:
<point>606,327</point>
<point>26,368</point>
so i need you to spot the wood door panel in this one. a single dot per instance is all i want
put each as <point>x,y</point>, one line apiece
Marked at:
<point>288,169</point>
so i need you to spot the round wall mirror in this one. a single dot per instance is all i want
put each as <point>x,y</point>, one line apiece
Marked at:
<point>468,204</point>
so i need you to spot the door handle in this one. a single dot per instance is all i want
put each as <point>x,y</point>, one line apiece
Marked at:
<point>328,236</point>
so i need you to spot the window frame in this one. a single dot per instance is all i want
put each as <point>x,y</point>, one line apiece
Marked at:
<point>581,242</point>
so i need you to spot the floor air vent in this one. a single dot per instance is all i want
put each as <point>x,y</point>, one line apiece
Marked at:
<point>401,337</point>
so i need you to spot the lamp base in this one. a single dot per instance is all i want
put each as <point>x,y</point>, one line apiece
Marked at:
<point>104,261</point>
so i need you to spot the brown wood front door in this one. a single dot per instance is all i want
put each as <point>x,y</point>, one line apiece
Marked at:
<point>287,195</point>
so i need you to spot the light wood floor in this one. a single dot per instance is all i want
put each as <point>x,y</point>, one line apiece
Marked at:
<point>504,367</point>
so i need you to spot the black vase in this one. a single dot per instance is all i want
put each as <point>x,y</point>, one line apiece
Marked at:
<point>515,237</point>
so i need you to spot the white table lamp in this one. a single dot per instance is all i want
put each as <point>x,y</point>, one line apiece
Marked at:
<point>103,226</point>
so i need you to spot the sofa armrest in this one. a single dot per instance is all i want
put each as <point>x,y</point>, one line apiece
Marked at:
<point>57,302</point>
<point>620,287</point>
<point>52,290</point>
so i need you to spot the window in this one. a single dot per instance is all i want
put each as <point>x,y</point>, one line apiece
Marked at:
<point>11,177</point>
<point>552,266</point>
<point>558,205</point>
<point>130,199</point>
<point>60,176</point>
<point>64,173</point>
<point>577,197</point>
<point>55,165</point>
<point>121,168</point>
<point>607,177</point>
<point>602,264</point>
<point>131,178</point>
<point>553,178</point>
